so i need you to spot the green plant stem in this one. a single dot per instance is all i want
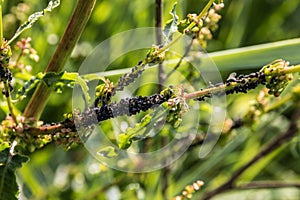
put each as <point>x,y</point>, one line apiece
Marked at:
<point>64,49</point>
<point>161,81</point>
<point>204,92</point>
<point>196,94</point>
<point>9,102</point>
<point>205,9</point>
<point>278,103</point>
<point>292,69</point>
<point>202,13</point>
<point>287,70</point>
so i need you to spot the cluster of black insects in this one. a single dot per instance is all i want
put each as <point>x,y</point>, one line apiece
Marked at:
<point>5,75</point>
<point>128,106</point>
<point>237,84</point>
<point>129,77</point>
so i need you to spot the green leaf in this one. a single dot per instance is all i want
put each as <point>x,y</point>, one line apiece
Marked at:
<point>171,25</point>
<point>59,80</point>
<point>8,165</point>
<point>34,17</point>
<point>51,78</point>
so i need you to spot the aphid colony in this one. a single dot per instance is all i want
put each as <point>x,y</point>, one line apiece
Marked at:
<point>271,75</point>
<point>128,106</point>
<point>128,78</point>
<point>5,74</point>
<point>236,84</point>
<point>244,83</point>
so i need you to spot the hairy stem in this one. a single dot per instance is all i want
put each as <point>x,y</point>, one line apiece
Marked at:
<point>64,49</point>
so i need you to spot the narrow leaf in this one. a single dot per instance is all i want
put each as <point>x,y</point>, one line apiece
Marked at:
<point>138,132</point>
<point>34,17</point>
<point>171,26</point>
<point>85,89</point>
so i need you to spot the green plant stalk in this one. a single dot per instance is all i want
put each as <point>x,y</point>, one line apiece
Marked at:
<point>202,13</point>
<point>221,88</point>
<point>279,103</point>
<point>9,102</point>
<point>205,91</point>
<point>205,9</point>
<point>6,87</point>
<point>77,23</point>
<point>287,70</point>
<point>292,69</point>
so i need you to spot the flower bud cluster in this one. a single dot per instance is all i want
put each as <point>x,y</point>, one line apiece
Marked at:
<point>25,49</point>
<point>154,56</point>
<point>188,191</point>
<point>201,28</point>
<point>275,78</point>
<point>104,93</point>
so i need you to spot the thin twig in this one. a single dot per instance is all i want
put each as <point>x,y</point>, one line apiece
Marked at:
<point>267,184</point>
<point>158,20</point>
<point>9,102</point>
<point>269,148</point>
<point>188,48</point>
<point>159,38</point>
<point>161,81</point>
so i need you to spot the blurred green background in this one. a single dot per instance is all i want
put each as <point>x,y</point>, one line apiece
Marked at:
<point>54,174</point>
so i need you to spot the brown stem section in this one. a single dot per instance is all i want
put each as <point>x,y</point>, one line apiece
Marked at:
<point>64,49</point>
<point>161,81</point>
<point>159,38</point>
<point>267,184</point>
<point>273,145</point>
<point>158,20</point>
